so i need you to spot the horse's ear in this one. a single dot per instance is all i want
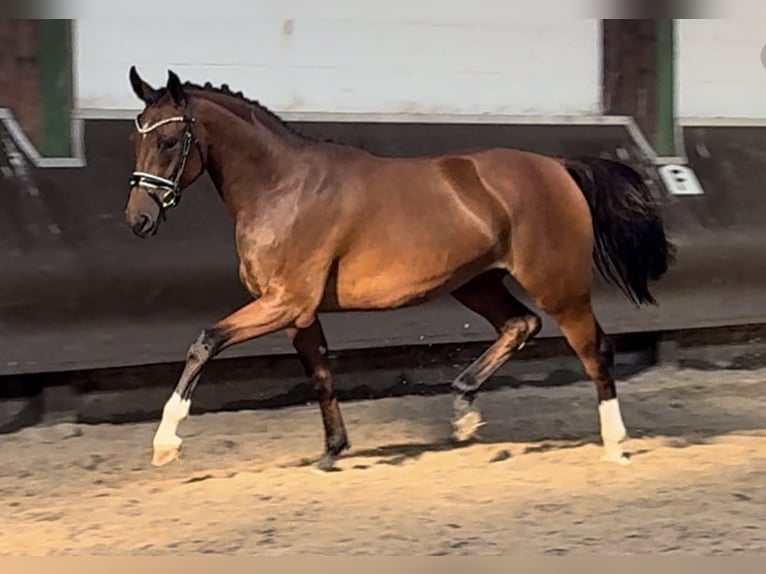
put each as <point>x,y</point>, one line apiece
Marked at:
<point>144,91</point>
<point>176,89</point>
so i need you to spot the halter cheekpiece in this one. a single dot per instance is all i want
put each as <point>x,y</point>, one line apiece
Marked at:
<point>166,192</point>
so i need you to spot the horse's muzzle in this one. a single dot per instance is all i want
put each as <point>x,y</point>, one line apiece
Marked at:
<point>144,226</point>
<point>142,213</point>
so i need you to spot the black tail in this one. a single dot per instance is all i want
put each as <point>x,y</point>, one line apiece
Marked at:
<point>630,243</point>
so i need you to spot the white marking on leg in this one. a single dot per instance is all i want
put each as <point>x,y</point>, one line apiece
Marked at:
<point>468,419</point>
<point>612,426</point>
<point>612,430</point>
<point>175,410</point>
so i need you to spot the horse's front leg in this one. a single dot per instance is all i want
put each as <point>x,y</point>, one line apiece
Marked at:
<point>311,346</point>
<point>260,317</point>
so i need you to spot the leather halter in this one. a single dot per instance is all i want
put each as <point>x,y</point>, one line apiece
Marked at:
<point>166,192</point>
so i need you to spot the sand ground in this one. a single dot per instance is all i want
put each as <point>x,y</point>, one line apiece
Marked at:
<point>532,482</point>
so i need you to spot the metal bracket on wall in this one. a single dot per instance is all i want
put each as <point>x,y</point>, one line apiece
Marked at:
<point>680,180</point>
<point>675,172</point>
<point>29,150</point>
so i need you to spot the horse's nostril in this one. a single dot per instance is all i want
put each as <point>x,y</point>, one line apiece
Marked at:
<point>143,225</point>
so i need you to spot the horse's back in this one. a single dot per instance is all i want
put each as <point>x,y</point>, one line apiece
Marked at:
<point>415,227</point>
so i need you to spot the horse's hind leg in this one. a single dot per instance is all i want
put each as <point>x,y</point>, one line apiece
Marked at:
<point>587,339</point>
<point>311,346</point>
<point>515,324</point>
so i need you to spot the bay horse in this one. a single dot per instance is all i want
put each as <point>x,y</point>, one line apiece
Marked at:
<point>325,227</point>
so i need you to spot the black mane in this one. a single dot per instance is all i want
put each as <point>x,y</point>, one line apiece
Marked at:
<point>259,107</point>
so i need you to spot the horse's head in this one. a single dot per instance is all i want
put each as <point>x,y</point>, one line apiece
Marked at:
<point>168,154</point>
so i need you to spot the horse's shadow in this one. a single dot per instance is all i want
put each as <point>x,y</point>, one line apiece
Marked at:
<point>401,453</point>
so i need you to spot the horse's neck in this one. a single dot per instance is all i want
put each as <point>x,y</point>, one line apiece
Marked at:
<point>243,159</point>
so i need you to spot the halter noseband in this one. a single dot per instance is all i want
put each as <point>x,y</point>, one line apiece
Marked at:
<point>166,192</point>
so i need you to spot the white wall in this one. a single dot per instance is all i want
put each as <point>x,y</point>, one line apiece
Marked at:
<point>720,73</point>
<point>389,65</point>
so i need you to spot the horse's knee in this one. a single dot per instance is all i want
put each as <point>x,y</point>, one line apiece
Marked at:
<point>207,344</point>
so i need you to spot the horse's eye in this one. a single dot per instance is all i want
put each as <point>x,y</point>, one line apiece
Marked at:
<point>169,143</point>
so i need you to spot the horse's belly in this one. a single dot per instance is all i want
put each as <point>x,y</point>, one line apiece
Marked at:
<point>390,282</point>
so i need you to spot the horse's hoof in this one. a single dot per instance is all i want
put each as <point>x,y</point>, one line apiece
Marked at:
<point>327,463</point>
<point>465,427</point>
<point>613,453</point>
<point>622,460</point>
<point>165,455</point>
